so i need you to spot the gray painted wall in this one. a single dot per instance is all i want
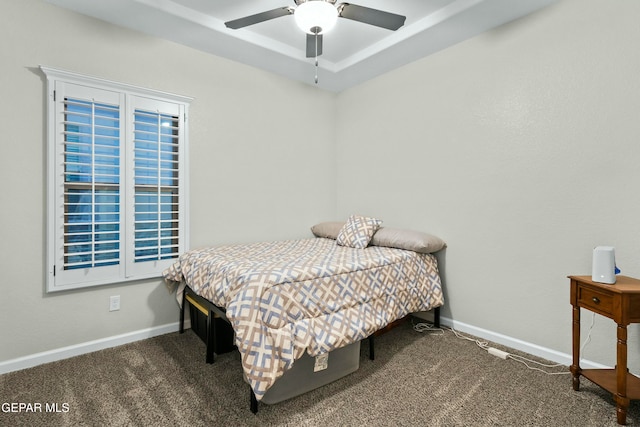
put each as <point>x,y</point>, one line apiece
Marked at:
<point>520,148</point>
<point>256,171</point>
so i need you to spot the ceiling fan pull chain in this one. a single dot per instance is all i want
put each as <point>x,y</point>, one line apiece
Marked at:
<point>316,79</point>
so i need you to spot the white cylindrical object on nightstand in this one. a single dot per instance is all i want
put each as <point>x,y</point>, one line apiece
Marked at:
<point>603,269</point>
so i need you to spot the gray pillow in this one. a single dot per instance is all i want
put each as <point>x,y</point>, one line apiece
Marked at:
<point>407,239</point>
<point>389,237</point>
<point>328,230</point>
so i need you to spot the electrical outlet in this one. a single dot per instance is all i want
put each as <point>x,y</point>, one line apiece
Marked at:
<point>114,303</point>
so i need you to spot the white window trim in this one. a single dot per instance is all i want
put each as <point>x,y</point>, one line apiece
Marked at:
<point>56,75</point>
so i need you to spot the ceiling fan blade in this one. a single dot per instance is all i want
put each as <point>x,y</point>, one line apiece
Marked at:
<point>258,17</point>
<point>376,17</point>
<point>311,45</point>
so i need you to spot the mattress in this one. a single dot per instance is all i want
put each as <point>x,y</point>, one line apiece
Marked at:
<point>288,298</point>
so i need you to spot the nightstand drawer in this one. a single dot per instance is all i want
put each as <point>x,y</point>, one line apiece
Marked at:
<point>595,300</point>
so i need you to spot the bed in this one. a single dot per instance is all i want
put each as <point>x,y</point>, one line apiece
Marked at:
<point>287,298</point>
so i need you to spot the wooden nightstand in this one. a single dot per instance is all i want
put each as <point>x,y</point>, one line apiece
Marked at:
<point>621,303</point>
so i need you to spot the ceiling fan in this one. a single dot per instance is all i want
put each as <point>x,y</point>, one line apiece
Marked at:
<point>316,17</point>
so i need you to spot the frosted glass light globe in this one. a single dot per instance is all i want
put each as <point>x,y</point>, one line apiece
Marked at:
<point>316,13</point>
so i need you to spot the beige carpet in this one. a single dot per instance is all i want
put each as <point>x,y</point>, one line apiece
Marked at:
<point>416,380</point>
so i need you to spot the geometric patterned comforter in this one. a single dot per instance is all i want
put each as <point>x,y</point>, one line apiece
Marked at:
<point>287,297</point>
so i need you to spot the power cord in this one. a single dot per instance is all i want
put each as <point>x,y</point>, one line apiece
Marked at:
<point>593,321</point>
<point>426,327</point>
<point>484,345</point>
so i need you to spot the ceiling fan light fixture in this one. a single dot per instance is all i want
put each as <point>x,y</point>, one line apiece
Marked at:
<point>316,16</point>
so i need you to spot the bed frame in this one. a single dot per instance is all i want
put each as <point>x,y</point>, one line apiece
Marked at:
<point>214,315</point>
<point>213,312</point>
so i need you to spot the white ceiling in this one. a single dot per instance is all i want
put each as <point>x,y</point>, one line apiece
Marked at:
<point>353,52</point>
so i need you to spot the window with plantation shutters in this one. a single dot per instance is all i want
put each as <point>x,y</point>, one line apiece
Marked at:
<point>117,181</point>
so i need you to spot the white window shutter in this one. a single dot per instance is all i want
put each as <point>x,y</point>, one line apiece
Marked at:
<point>117,181</point>
<point>156,205</point>
<point>88,190</point>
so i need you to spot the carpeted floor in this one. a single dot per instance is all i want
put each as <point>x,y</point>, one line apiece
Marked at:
<point>417,379</point>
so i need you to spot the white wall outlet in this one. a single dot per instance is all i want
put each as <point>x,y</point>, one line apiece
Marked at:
<point>114,303</point>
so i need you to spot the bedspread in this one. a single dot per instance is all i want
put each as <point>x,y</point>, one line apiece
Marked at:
<point>287,297</point>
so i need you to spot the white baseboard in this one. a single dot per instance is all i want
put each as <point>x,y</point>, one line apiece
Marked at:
<point>87,347</point>
<point>101,344</point>
<point>517,344</point>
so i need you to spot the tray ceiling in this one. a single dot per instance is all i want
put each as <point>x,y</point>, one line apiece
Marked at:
<point>353,52</point>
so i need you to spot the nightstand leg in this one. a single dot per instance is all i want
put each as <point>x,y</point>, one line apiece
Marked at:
<point>622,401</point>
<point>575,367</point>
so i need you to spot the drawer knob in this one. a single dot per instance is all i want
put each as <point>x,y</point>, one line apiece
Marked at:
<point>596,300</point>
